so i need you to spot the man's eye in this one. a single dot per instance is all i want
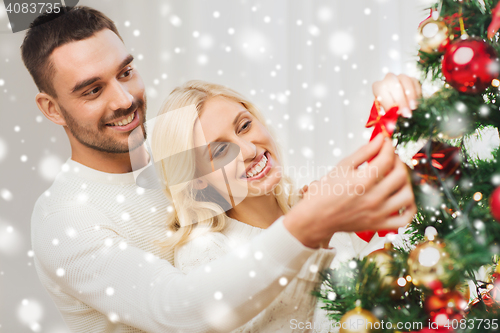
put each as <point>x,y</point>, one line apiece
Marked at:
<point>93,91</point>
<point>127,73</point>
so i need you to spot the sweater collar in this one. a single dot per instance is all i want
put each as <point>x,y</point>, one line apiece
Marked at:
<point>72,167</point>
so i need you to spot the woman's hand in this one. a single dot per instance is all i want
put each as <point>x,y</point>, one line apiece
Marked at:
<point>398,90</point>
<point>350,198</point>
<point>303,190</point>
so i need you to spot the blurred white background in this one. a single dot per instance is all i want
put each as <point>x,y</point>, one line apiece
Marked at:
<point>308,64</point>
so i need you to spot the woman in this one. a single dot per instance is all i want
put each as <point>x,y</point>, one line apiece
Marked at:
<point>223,173</point>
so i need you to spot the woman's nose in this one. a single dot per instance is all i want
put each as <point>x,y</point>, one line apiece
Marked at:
<point>248,150</point>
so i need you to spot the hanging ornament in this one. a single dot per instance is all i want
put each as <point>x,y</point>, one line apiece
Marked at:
<point>429,263</point>
<point>443,307</point>
<point>469,65</point>
<point>490,297</point>
<point>383,259</point>
<point>495,204</point>
<point>385,123</point>
<point>359,320</point>
<point>433,35</point>
<point>489,294</point>
<point>495,21</point>
<point>495,291</point>
<point>445,158</point>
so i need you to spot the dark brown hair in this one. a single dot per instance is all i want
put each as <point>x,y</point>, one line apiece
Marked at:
<point>49,31</point>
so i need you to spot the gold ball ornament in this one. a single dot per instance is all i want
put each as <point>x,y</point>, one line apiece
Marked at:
<point>429,263</point>
<point>383,260</point>
<point>359,320</point>
<point>433,35</point>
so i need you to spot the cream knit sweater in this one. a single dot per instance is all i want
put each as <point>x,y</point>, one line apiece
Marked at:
<point>294,306</point>
<point>93,238</point>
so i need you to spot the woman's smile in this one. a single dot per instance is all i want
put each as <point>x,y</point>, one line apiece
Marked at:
<point>260,168</point>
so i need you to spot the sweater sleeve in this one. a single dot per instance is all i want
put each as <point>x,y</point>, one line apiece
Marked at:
<point>84,255</point>
<point>201,250</point>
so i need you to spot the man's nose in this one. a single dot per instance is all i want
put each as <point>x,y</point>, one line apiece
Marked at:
<point>120,97</point>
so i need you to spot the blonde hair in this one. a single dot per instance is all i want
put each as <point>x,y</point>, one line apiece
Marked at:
<point>173,133</point>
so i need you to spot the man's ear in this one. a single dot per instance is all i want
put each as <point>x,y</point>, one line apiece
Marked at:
<point>47,104</point>
<point>200,184</point>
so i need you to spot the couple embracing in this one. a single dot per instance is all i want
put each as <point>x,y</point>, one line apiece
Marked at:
<point>225,243</point>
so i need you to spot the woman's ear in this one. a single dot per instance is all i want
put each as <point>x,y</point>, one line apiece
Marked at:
<point>200,184</point>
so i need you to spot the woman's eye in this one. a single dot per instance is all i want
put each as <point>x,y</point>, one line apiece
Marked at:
<point>220,150</point>
<point>246,125</point>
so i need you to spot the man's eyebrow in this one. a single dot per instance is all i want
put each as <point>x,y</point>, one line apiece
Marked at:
<point>82,84</point>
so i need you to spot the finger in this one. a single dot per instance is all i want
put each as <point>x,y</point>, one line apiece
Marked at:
<point>399,221</point>
<point>382,163</point>
<point>303,190</point>
<point>403,198</point>
<point>365,153</point>
<point>398,94</point>
<point>418,86</point>
<point>393,182</point>
<point>381,91</point>
<point>418,89</point>
<point>409,90</point>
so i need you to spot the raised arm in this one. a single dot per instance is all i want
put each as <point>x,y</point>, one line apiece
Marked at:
<point>97,267</point>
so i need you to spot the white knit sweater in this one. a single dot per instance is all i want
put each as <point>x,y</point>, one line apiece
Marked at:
<point>93,238</point>
<point>295,309</point>
<point>292,309</point>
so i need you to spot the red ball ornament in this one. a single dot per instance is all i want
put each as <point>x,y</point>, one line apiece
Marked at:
<point>469,65</point>
<point>495,203</point>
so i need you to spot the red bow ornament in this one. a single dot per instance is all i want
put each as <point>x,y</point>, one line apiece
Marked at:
<point>495,21</point>
<point>384,123</point>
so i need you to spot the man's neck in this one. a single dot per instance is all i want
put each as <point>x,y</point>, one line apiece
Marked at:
<point>110,162</point>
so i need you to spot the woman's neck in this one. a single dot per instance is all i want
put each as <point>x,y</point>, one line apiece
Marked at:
<point>259,211</point>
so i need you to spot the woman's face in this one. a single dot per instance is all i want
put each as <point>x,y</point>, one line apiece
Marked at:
<point>227,125</point>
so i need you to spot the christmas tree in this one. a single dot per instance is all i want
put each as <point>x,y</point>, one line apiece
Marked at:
<point>423,285</point>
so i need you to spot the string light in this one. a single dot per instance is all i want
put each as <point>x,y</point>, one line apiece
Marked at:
<point>478,196</point>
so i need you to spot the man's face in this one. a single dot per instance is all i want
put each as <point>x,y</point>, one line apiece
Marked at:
<point>100,93</point>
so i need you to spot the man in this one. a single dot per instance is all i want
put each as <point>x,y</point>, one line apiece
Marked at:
<point>94,230</point>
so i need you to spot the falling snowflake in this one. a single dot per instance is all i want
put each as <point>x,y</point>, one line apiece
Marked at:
<point>341,43</point>
<point>206,41</point>
<point>49,167</point>
<point>30,312</point>
<point>6,194</point>
<point>319,90</point>
<point>11,240</point>
<point>324,14</point>
<point>175,21</point>
<point>307,152</point>
<point>254,44</point>
<point>3,149</point>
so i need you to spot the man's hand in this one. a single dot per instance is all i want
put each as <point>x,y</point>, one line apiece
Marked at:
<point>350,198</point>
<point>401,90</point>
